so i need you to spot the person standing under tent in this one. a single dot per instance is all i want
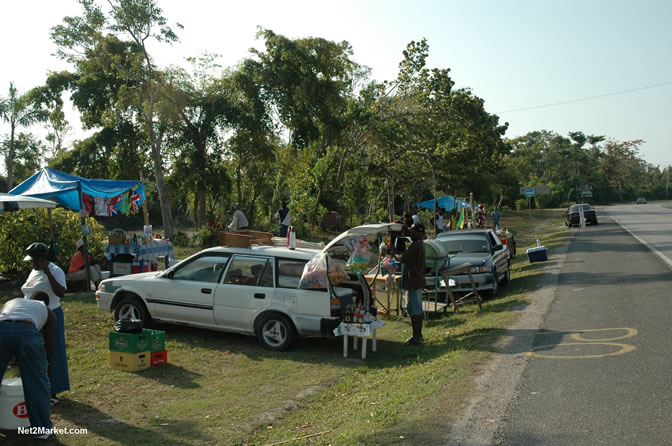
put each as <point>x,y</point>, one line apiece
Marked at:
<point>239,221</point>
<point>285,220</point>
<point>440,224</point>
<point>49,279</point>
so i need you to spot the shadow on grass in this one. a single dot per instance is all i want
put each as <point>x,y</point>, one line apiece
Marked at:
<point>100,423</point>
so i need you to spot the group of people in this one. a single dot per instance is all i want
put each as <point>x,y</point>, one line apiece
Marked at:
<point>32,332</point>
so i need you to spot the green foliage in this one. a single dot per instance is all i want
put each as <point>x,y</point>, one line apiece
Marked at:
<point>19,229</point>
<point>180,239</point>
<point>521,204</point>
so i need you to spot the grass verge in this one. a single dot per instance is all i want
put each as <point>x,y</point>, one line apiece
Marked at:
<point>224,389</point>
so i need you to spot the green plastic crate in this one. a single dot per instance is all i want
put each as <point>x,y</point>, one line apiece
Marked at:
<point>129,342</point>
<point>157,340</point>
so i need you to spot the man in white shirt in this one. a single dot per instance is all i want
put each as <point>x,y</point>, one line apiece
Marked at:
<point>239,221</point>
<point>20,323</point>
<point>285,220</point>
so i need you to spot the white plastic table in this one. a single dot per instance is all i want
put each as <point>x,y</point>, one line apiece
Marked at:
<point>363,331</point>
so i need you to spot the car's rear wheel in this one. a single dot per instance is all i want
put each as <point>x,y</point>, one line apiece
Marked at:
<point>275,332</point>
<point>132,307</point>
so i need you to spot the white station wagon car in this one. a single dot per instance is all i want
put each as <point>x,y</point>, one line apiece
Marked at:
<point>245,290</point>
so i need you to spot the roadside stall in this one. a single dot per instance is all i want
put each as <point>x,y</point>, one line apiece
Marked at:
<point>341,268</point>
<point>89,197</point>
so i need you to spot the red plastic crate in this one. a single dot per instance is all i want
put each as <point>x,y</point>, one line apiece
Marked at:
<point>158,358</point>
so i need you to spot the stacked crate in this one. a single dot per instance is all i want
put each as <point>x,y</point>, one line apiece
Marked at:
<point>138,351</point>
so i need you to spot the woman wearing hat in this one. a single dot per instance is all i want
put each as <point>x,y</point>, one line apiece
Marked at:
<point>47,278</point>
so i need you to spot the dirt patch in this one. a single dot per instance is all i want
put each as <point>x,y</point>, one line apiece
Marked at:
<point>270,416</point>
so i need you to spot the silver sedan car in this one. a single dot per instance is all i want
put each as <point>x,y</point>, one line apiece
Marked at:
<point>489,258</point>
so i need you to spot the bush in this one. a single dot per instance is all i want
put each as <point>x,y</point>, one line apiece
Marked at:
<point>19,229</point>
<point>521,204</point>
<point>181,239</point>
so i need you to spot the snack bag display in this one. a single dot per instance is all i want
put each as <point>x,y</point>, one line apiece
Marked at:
<point>360,255</point>
<point>315,273</point>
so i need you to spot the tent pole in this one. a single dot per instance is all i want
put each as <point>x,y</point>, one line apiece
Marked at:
<point>145,210</point>
<point>82,214</point>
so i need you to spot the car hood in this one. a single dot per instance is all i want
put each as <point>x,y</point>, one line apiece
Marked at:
<point>337,246</point>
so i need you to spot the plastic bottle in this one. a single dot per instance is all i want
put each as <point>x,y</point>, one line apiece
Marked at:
<point>538,242</point>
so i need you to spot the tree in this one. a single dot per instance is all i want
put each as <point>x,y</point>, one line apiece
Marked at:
<point>18,111</point>
<point>141,21</point>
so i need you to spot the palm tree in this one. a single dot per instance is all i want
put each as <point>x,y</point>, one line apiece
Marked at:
<point>18,111</point>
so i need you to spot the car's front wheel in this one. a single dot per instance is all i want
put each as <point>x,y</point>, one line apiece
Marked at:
<point>275,332</point>
<point>132,308</point>
<point>495,285</point>
<point>507,274</point>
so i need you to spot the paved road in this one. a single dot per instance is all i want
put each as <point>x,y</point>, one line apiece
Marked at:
<point>595,366</point>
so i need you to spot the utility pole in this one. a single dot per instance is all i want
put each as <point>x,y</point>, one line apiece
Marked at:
<point>667,186</point>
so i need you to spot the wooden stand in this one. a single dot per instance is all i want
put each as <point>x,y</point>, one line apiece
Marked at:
<point>472,296</point>
<point>244,239</point>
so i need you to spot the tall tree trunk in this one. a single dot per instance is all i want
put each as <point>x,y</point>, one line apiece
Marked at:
<point>155,142</point>
<point>201,202</point>
<point>10,160</point>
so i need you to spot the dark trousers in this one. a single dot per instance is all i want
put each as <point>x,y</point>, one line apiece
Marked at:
<point>27,345</point>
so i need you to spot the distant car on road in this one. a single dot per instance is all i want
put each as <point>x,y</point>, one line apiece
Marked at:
<point>641,200</point>
<point>489,258</point>
<point>572,217</point>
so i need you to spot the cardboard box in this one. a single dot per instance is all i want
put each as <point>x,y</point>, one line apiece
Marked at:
<point>538,254</point>
<point>121,269</point>
<point>116,239</point>
<point>158,358</point>
<point>129,342</point>
<point>131,362</point>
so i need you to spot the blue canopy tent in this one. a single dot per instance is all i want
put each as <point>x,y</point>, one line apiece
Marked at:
<point>447,202</point>
<point>69,191</point>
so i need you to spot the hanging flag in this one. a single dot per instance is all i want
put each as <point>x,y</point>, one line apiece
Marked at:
<point>460,221</point>
<point>135,201</point>
<point>86,198</point>
<point>125,203</point>
<point>112,206</point>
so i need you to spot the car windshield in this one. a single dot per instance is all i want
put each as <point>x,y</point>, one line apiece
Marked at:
<point>456,246</point>
<point>575,208</point>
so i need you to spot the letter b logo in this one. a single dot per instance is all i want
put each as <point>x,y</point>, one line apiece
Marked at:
<point>20,410</point>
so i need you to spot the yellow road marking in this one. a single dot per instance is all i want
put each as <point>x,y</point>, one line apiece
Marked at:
<point>624,348</point>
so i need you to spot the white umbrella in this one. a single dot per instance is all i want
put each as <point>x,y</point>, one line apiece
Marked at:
<point>10,202</point>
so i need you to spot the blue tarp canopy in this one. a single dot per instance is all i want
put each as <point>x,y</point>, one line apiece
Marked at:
<point>447,202</point>
<point>64,188</point>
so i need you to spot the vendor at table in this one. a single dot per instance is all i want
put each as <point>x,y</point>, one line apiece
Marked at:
<point>77,270</point>
<point>413,260</point>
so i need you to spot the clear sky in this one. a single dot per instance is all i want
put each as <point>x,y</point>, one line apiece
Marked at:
<point>606,65</point>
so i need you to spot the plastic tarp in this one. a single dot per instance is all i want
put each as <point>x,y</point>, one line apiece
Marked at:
<point>64,188</point>
<point>447,202</point>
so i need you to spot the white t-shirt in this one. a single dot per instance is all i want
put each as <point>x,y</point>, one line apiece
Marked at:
<point>439,222</point>
<point>25,309</point>
<point>38,282</point>
<point>239,221</point>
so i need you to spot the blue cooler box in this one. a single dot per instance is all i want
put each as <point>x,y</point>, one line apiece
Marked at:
<point>538,254</point>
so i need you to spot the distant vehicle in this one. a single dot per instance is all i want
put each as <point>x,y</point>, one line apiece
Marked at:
<point>572,217</point>
<point>641,200</point>
<point>489,257</point>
